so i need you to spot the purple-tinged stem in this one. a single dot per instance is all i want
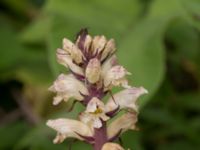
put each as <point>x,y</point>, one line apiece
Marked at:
<point>100,136</point>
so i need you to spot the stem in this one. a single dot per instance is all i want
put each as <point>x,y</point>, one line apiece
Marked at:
<point>100,136</point>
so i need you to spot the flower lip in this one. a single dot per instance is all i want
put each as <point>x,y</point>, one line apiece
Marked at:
<point>94,113</point>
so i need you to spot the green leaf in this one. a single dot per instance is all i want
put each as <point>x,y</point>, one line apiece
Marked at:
<point>97,14</point>
<point>37,31</point>
<point>131,140</point>
<point>142,53</point>
<point>142,50</point>
<point>37,138</point>
<point>11,51</point>
<point>9,134</point>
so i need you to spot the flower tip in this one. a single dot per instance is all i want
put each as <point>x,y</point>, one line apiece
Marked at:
<point>49,123</point>
<point>57,99</point>
<point>143,90</point>
<point>128,73</point>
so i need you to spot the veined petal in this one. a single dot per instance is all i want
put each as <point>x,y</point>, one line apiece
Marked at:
<point>116,77</point>
<point>73,50</point>
<point>98,44</point>
<point>69,128</point>
<point>123,123</point>
<point>112,146</point>
<point>66,87</point>
<point>93,70</point>
<point>65,59</point>
<point>109,49</point>
<point>125,99</point>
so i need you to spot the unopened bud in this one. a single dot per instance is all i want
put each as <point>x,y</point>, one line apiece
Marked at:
<point>93,70</point>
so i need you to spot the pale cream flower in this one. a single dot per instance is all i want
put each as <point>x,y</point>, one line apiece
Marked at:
<point>98,44</point>
<point>69,128</point>
<point>108,64</point>
<point>125,99</point>
<point>86,43</point>
<point>67,86</point>
<point>109,49</point>
<point>111,146</point>
<point>95,112</point>
<point>123,123</point>
<point>73,51</point>
<point>65,59</point>
<point>93,70</point>
<point>116,77</point>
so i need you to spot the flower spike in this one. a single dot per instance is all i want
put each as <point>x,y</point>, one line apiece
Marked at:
<point>94,72</point>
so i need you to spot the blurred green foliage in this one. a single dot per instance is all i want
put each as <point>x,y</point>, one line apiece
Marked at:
<point>157,40</point>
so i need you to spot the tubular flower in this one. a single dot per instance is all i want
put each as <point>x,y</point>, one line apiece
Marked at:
<point>94,72</point>
<point>125,99</point>
<point>66,86</point>
<point>123,123</point>
<point>64,58</point>
<point>98,44</point>
<point>73,51</point>
<point>69,128</point>
<point>116,77</point>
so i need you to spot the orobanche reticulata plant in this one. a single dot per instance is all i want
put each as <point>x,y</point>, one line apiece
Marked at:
<point>94,72</point>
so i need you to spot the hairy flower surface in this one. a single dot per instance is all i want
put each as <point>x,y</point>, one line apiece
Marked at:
<point>94,72</point>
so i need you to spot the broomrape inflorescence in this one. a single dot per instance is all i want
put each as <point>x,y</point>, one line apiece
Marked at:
<point>94,71</point>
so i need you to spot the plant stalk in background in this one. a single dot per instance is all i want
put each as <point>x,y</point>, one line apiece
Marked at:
<point>94,72</point>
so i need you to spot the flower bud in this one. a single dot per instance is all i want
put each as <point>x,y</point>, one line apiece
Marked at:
<point>72,50</point>
<point>111,146</point>
<point>98,44</point>
<point>93,70</point>
<point>64,59</point>
<point>109,49</point>
<point>88,41</point>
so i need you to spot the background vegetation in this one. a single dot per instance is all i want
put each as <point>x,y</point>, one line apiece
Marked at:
<point>158,41</point>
